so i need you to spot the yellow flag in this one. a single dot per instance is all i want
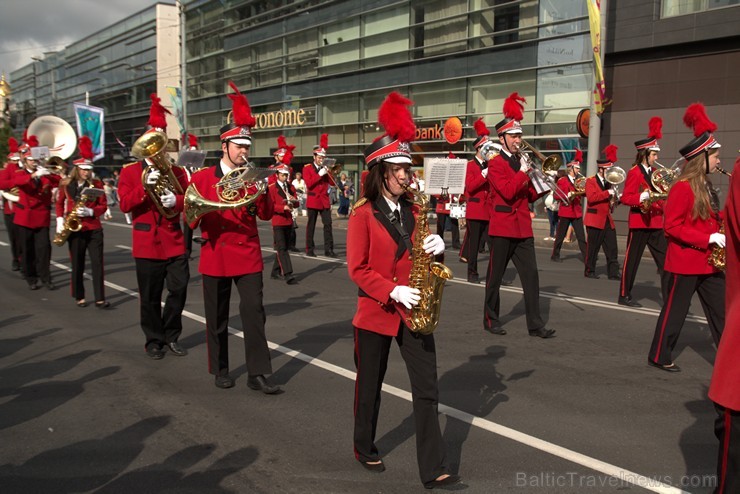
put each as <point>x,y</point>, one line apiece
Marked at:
<point>594,18</point>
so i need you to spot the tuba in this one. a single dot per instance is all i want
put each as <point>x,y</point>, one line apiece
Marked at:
<point>427,276</point>
<point>232,191</point>
<point>550,165</point>
<point>615,176</point>
<point>152,148</point>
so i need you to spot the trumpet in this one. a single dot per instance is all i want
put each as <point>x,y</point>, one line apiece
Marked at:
<point>333,168</point>
<point>550,164</point>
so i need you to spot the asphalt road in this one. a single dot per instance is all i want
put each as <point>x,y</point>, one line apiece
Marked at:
<point>82,409</point>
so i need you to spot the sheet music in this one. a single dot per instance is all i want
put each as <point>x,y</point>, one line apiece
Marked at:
<point>444,173</point>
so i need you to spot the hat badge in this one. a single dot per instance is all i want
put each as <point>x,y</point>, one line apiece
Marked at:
<point>404,147</point>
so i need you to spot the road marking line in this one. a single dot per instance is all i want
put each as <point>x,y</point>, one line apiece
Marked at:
<point>481,423</point>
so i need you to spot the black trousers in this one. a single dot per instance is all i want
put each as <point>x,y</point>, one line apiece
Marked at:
<point>162,326</point>
<point>292,235</point>
<point>637,239</point>
<point>80,243</point>
<point>216,297</point>
<point>475,233</point>
<point>681,288</point>
<point>563,224</point>
<point>442,223</point>
<point>35,253</point>
<point>188,232</point>
<point>521,251</point>
<point>281,236</point>
<point>605,238</point>
<point>311,227</point>
<point>15,247</point>
<point>371,360</point>
<point>727,430</point>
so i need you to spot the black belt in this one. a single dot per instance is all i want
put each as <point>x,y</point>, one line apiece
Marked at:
<point>591,210</point>
<point>503,209</point>
<point>473,199</point>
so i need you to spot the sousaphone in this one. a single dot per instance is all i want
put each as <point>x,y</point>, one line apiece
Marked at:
<point>56,134</point>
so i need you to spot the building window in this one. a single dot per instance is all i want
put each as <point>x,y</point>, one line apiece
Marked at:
<point>671,8</point>
<point>386,36</point>
<point>341,47</point>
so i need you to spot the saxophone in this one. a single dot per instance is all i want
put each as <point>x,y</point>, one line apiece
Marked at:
<point>717,256</point>
<point>426,275</point>
<point>73,223</point>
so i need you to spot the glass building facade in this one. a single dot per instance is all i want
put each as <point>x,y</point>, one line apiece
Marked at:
<point>116,68</point>
<point>319,66</point>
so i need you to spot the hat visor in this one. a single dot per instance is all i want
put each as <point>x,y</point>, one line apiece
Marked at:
<point>716,145</point>
<point>398,160</point>
<point>513,131</point>
<point>654,148</point>
<point>84,167</point>
<point>240,140</point>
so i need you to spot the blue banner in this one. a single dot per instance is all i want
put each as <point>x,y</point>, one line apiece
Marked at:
<point>176,98</point>
<point>90,123</point>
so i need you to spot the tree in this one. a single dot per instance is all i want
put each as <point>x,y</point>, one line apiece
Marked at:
<point>5,133</point>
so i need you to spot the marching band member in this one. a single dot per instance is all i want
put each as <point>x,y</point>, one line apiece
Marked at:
<point>476,199</point>
<point>570,214</point>
<point>188,232</point>
<point>692,222</point>
<point>724,389</point>
<point>7,182</point>
<point>231,254</point>
<point>90,236</point>
<point>32,218</point>
<point>284,202</point>
<point>598,220</point>
<point>158,248</point>
<point>644,228</point>
<point>510,225</point>
<point>379,241</point>
<point>442,209</point>
<point>318,180</point>
<point>279,156</point>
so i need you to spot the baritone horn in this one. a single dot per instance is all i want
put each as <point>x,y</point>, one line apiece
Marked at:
<point>550,165</point>
<point>615,176</point>
<point>151,150</point>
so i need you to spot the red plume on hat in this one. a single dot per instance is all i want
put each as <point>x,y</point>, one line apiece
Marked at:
<point>288,156</point>
<point>696,118</point>
<point>25,136</point>
<point>324,141</point>
<point>12,145</point>
<point>32,141</point>
<point>242,112</point>
<point>579,156</point>
<point>157,113</point>
<point>192,141</point>
<point>480,128</point>
<point>611,153</point>
<point>513,107</point>
<point>396,118</point>
<point>451,155</point>
<point>84,144</point>
<point>655,126</point>
<point>282,143</point>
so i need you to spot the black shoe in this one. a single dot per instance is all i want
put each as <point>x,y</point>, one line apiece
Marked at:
<point>311,253</point>
<point>592,276</point>
<point>506,283</point>
<point>497,331</point>
<point>331,253</point>
<point>275,276</point>
<point>177,349</point>
<point>155,353</point>
<point>224,382</point>
<point>556,259</point>
<point>666,367</point>
<point>293,249</point>
<point>374,467</point>
<point>49,285</point>
<point>464,259</point>
<point>33,286</point>
<point>81,303</point>
<point>628,301</point>
<point>102,304</point>
<point>473,278</point>
<point>260,383</point>
<point>543,333</point>
<point>16,267</point>
<point>452,479</point>
<point>617,277</point>
<point>456,246</point>
<point>291,281</point>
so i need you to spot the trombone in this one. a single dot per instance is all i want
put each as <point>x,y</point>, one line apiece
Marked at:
<point>550,164</point>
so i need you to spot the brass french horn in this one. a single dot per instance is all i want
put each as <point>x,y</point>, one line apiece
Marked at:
<point>151,150</point>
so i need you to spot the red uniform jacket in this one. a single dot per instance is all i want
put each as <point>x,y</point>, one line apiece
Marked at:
<point>281,217</point>
<point>688,238</point>
<point>33,209</point>
<point>598,212</point>
<point>66,203</point>
<point>510,194</point>
<point>154,236</point>
<point>378,260</point>
<point>725,386</point>
<point>317,188</point>
<point>476,191</point>
<point>232,246</point>
<point>7,182</point>
<point>443,205</point>
<point>637,182</point>
<point>573,209</point>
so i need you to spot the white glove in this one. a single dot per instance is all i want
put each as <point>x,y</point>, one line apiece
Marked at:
<point>406,295</point>
<point>523,165</point>
<point>717,239</point>
<point>322,172</point>
<point>152,178</point>
<point>40,172</point>
<point>644,196</point>
<point>484,172</point>
<point>434,245</point>
<point>168,199</point>
<point>611,192</point>
<point>60,225</point>
<point>84,211</point>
